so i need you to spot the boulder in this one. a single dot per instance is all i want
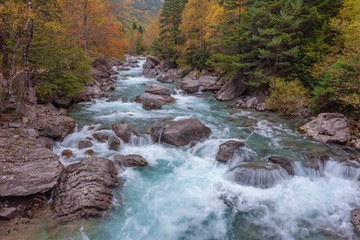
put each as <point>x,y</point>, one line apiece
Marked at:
<point>101,137</point>
<point>67,153</point>
<point>355,219</point>
<point>193,74</point>
<point>252,103</point>
<point>151,62</point>
<point>328,128</point>
<point>89,152</point>
<point>114,143</point>
<point>285,163</point>
<point>151,73</point>
<point>8,213</point>
<point>90,93</point>
<point>190,86</point>
<point>120,69</point>
<point>56,127</point>
<point>163,99</point>
<point>134,65</point>
<point>234,88</point>
<point>181,133</point>
<point>207,79</point>
<point>354,142</point>
<point>152,105</point>
<point>46,142</point>
<point>261,107</point>
<point>124,131</point>
<point>158,90</point>
<point>27,167</point>
<point>85,144</point>
<point>131,160</point>
<point>169,64</point>
<point>84,189</point>
<point>258,174</point>
<point>132,59</point>
<point>227,150</point>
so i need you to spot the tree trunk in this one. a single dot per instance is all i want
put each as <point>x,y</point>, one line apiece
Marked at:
<point>85,26</point>
<point>27,77</point>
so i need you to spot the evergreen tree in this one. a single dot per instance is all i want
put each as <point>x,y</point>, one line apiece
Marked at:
<point>170,20</point>
<point>134,26</point>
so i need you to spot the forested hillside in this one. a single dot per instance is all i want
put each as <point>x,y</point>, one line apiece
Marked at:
<point>312,46</point>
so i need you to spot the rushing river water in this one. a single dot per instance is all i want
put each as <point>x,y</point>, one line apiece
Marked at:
<point>185,193</point>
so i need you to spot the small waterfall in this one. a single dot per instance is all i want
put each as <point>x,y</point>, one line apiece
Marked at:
<point>258,174</point>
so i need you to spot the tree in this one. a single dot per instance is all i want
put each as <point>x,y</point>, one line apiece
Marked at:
<point>338,76</point>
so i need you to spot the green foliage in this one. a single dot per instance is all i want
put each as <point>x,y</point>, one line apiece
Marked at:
<point>286,97</point>
<point>65,72</point>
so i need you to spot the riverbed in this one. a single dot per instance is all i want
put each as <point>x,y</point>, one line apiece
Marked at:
<point>185,193</point>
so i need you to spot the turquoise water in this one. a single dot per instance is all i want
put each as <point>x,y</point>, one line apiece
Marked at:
<point>185,193</point>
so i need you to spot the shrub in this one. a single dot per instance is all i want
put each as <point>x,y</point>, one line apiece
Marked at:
<point>286,97</point>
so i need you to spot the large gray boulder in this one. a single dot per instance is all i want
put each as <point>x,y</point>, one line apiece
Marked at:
<point>190,86</point>
<point>234,88</point>
<point>158,90</point>
<point>228,149</point>
<point>131,160</point>
<point>328,128</point>
<point>27,167</point>
<point>181,133</point>
<point>56,127</point>
<point>84,189</point>
<point>124,131</point>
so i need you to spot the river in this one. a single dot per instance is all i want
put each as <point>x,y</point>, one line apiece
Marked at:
<point>185,193</point>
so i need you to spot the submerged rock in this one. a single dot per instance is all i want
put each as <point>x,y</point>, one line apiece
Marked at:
<point>84,189</point>
<point>316,161</point>
<point>227,150</point>
<point>131,160</point>
<point>124,131</point>
<point>285,163</point>
<point>258,174</point>
<point>155,97</point>
<point>328,128</point>
<point>27,167</point>
<point>181,133</point>
<point>234,88</point>
<point>67,153</point>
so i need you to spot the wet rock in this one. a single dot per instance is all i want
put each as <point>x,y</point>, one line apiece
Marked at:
<point>285,163</point>
<point>8,213</point>
<point>85,144</point>
<point>258,174</point>
<point>158,90</point>
<point>355,219</point>
<point>132,59</point>
<point>227,150</point>
<point>84,189</point>
<point>120,69</point>
<point>156,132</point>
<point>131,160</point>
<point>316,161</point>
<point>181,133</point>
<point>190,86</point>
<point>27,167</point>
<point>101,137</point>
<point>67,153</point>
<point>163,99</point>
<point>135,65</point>
<point>234,88</point>
<point>328,128</point>
<point>124,131</point>
<point>114,143</point>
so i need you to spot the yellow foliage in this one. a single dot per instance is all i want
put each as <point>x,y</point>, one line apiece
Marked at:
<point>286,97</point>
